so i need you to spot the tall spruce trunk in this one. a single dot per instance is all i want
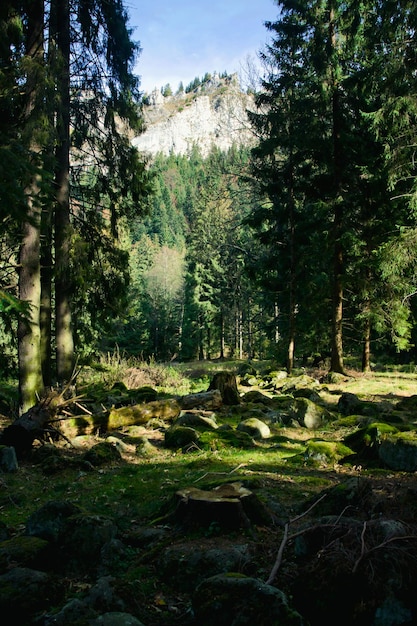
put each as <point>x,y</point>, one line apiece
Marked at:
<point>63,322</point>
<point>292,302</point>
<point>29,335</point>
<point>336,364</point>
<point>45,320</point>
<point>29,352</point>
<point>366,350</point>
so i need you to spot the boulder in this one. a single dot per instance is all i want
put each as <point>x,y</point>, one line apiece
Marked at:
<point>235,600</point>
<point>326,451</point>
<point>187,564</point>
<point>349,404</point>
<point>255,428</point>
<point>24,551</point>
<point>257,397</point>
<point>308,413</point>
<point>103,453</point>
<point>25,592</point>
<point>366,440</point>
<point>299,382</point>
<point>178,437</point>
<point>116,619</point>
<point>8,459</point>
<point>197,420</point>
<point>399,452</point>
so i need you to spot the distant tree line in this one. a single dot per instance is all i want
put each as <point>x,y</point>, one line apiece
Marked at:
<point>324,206</point>
<point>301,247</point>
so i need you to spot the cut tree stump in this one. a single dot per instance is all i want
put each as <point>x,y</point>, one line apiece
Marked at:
<point>230,506</point>
<point>226,383</point>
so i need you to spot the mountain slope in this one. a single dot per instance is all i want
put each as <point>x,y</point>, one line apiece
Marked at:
<point>215,114</point>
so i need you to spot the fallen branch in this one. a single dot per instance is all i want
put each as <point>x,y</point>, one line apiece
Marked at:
<point>220,473</point>
<point>365,553</point>
<point>286,537</point>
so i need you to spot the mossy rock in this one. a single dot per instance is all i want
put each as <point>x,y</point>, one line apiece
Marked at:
<point>350,421</point>
<point>326,451</point>
<point>398,451</point>
<point>257,397</point>
<point>246,369</point>
<point>299,382</point>
<point>195,420</point>
<point>308,413</point>
<point>366,440</point>
<point>408,404</point>
<point>143,394</point>
<point>223,438</point>
<point>232,598</point>
<point>236,438</point>
<point>23,550</point>
<point>348,494</point>
<point>178,437</point>
<point>103,453</point>
<point>256,428</point>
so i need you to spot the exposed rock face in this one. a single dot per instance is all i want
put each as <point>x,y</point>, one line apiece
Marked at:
<point>214,115</point>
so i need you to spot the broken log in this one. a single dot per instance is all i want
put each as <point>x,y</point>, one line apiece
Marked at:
<point>206,399</point>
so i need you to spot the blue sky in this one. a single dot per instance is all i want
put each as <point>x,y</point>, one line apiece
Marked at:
<point>182,39</point>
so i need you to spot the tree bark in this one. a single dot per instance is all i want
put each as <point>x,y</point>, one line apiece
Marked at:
<point>63,323</point>
<point>29,353</point>
<point>45,319</point>
<point>338,262</point>
<point>366,352</point>
<point>225,382</point>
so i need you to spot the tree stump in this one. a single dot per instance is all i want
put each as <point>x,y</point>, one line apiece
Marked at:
<point>230,506</point>
<point>225,382</point>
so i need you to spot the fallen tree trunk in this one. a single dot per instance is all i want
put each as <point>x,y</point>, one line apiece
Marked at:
<point>29,426</point>
<point>207,399</point>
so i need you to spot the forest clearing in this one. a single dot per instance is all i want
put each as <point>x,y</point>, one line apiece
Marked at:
<point>318,509</point>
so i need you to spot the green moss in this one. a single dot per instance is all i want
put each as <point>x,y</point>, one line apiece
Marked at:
<point>180,436</point>
<point>325,451</point>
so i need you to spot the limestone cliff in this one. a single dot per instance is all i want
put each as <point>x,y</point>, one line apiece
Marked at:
<point>215,114</point>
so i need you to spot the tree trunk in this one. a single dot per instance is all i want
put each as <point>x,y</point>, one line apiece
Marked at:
<point>222,343</point>
<point>337,289</point>
<point>292,302</point>
<point>63,329</point>
<point>366,353</point>
<point>336,364</point>
<point>29,353</point>
<point>29,347</point>
<point>45,319</point>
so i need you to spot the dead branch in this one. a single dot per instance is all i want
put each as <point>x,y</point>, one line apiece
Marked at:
<point>365,553</point>
<point>286,537</point>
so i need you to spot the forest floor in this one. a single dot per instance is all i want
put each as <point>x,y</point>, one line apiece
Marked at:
<point>138,491</point>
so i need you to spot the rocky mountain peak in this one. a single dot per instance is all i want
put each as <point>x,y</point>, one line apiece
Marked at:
<point>213,114</point>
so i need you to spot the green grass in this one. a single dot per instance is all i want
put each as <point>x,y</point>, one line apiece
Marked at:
<point>140,489</point>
